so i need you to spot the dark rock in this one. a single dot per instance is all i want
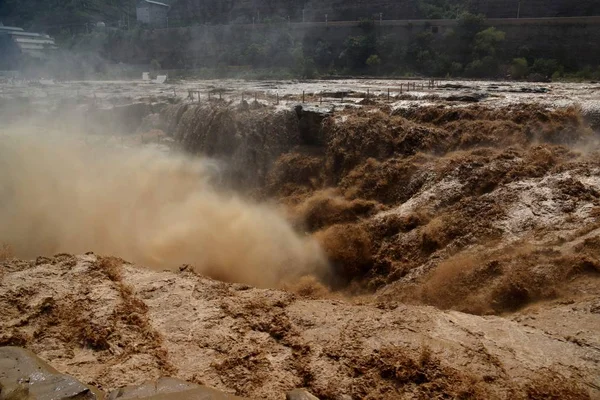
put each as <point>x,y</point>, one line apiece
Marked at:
<point>337,95</point>
<point>539,90</point>
<point>454,86</point>
<point>467,97</point>
<point>23,375</point>
<point>310,124</point>
<point>300,394</point>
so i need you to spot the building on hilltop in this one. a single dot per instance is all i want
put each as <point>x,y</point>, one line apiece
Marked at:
<point>16,44</point>
<point>153,13</point>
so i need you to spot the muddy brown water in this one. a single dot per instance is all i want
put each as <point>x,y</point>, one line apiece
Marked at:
<point>498,93</point>
<point>475,209</point>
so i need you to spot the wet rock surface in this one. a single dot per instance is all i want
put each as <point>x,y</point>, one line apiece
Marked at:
<point>467,97</point>
<point>310,124</point>
<point>23,375</point>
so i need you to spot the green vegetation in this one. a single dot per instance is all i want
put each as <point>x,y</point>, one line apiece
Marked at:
<point>519,68</point>
<point>442,9</point>
<point>470,49</point>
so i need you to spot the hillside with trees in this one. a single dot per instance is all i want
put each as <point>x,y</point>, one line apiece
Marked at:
<point>469,48</point>
<point>55,15</point>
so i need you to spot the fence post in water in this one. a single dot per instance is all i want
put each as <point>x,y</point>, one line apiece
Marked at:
<point>303,96</point>
<point>255,97</point>
<point>388,95</point>
<point>277,98</point>
<point>220,96</point>
<point>242,97</point>
<point>368,93</point>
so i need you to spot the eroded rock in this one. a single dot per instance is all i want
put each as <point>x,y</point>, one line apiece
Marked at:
<point>310,120</point>
<point>23,375</point>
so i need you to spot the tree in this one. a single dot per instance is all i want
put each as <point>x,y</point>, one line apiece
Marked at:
<point>488,41</point>
<point>441,9</point>
<point>519,68</point>
<point>374,62</point>
<point>460,41</point>
<point>323,54</point>
<point>421,53</point>
<point>544,67</point>
<point>357,50</point>
<point>480,68</point>
<point>255,54</point>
